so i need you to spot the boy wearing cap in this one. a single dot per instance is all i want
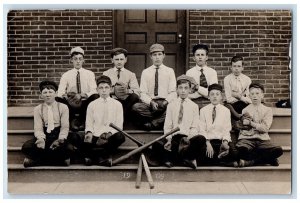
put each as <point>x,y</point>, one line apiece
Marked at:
<point>236,87</point>
<point>181,147</point>
<point>100,139</point>
<point>215,126</point>
<point>51,128</point>
<point>158,88</point>
<point>77,88</point>
<point>254,145</point>
<point>202,74</point>
<point>125,85</point>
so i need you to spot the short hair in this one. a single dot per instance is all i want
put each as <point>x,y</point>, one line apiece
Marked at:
<point>215,86</point>
<point>257,85</point>
<point>47,84</point>
<point>179,82</point>
<point>104,79</point>
<point>200,46</point>
<point>117,51</point>
<point>236,58</point>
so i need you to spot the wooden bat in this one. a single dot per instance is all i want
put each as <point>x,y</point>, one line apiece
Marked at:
<point>141,148</point>
<point>147,170</point>
<point>126,134</point>
<point>139,174</point>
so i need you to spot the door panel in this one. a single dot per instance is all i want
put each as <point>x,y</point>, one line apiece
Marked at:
<point>137,30</point>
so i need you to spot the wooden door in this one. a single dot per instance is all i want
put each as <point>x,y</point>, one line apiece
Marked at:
<point>137,30</point>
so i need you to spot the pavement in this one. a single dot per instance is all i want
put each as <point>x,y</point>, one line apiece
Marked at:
<point>161,188</point>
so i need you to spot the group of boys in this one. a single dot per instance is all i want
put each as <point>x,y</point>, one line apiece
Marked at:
<point>82,102</point>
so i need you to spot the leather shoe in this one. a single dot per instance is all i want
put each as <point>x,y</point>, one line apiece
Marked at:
<point>190,163</point>
<point>245,163</point>
<point>168,164</point>
<point>67,162</point>
<point>274,162</point>
<point>88,161</point>
<point>105,162</point>
<point>148,126</point>
<point>29,162</point>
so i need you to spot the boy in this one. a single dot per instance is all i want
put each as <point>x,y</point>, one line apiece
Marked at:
<point>202,74</point>
<point>101,140</point>
<point>125,85</point>
<point>183,146</point>
<point>215,126</point>
<point>158,88</point>
<point>51,128</point>
<point>254,145</point>
<point>236,87</point>
<point>77,88</point>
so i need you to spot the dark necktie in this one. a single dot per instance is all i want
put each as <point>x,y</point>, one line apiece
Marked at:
<point>203,81</point>
<point>214,113</point>
<point>78,83</point>
<point>118,75</point>
<point>156,82</point>
<point>180,115</point>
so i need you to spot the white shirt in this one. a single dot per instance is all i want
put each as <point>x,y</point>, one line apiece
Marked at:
<point>210,75</point>
<point>68,82</point>
<point>239,84</point>
<point>220,128</point>
<point>126,76</point>
<point>96,120</point>
<point>190,119</point>
<point>166,84</point>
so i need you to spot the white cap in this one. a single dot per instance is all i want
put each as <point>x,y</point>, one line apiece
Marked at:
<point>78,50</point>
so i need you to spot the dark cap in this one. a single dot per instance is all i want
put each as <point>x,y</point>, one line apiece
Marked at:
<point>257,85</point>
<point>117,51</point>
<point>48,84</point>
<point>200,46</point>
<point>156,48</point>
<point>103,79</point>
<point>215,86</point>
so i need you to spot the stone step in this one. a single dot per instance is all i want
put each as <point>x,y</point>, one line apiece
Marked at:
<point>16,138</point>
<point>15,156</point>
<point>17,173</point>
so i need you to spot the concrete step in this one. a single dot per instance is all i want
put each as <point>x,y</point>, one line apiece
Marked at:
<point>16,138</point>
<point>17,173</point>
<point>15,156</point>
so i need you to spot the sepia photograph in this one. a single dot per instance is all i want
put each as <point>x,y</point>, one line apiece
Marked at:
<point>149,101</point>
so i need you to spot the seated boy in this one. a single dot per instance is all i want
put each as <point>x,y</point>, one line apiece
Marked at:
<point>158,88</point>
<point>125,85</point>
<point>254,144</point>
<point>215,126</point>
<point>100,139</point>
<point>236,87</point>
<point>77,88</point>
<point>183,146</point>
<point>202,74</point>
<point>51,128</point>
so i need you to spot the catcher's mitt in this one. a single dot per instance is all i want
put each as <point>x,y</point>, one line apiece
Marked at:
<point>73,100</point>
<point>121,91</point>
<point>239,123</point>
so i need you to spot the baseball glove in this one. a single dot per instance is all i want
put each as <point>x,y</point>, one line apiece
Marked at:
<point>73,100</point>
<point>121,91</point>
<point>240,124</point>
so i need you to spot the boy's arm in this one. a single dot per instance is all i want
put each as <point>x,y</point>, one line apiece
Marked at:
<point>202,124</point>
<point>172,87</point>
<point>195,123</point>
<point>134,85</point>
<point>38,123</point>
<point>144,89</point>
<point>168,126</point>
<point>92,84</point>
<point>119,118</point>
<point>228,91</point>
<point>62,86</point>
<point>227,125</point>
<point>266,123</point>
<point>245,97</point>
<point>89,119</point>
<point>64,122</point>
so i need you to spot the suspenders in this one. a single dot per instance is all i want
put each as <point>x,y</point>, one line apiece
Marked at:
<point>42,115</point>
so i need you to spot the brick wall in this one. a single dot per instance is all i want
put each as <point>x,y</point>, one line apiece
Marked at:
<point>39,42</point>
<point>261,37</point>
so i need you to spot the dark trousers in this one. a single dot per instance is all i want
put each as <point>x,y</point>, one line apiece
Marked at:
<point>144,113</point>
<point>91,150</point>
<point>190,152</point>
<point>261,151</point>
<point>216,144</point>
<point>201,102</point>
<point>47,156</point>
<point>127,105</point>
<point>79,113</point>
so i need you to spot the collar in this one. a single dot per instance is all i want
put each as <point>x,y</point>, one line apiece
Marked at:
<point>52,104</point>
<point>199,68</point>
<point>115,69</point>
<point>237,77</point>
<point>102,100</point>
<point>80,69</point>
<point>159,67</point>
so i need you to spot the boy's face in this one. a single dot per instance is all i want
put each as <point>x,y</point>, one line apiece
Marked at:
<point>157,58</point>
<point>119,60</point>
<point>200,57</point>
<point>215,97</point>
<point>237,68</point>
<point>77,61</point>
<point>104,90</point>
<point>48,95</point>
<point>183,90</point>
<point>256,95</point>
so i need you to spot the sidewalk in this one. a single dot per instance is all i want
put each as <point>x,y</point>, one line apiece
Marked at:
<point>169,188</point>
